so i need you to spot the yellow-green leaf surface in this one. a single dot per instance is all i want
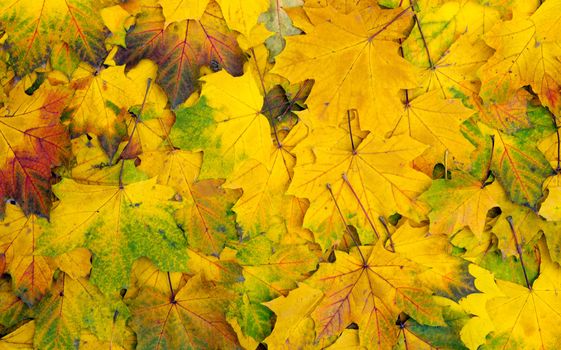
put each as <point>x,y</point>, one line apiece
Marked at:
<point>206,217</point>
<point>119,225</point>
<point>461,201</point>
<point>520,168</point>
<point>238,130</point>
<point>33,26</point>
<point>73,306</point>
<point>281,174</point>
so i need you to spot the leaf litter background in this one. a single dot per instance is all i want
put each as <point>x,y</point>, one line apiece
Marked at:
<point>284,174</point>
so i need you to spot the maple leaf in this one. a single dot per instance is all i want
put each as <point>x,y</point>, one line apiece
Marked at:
<point>294,325</point>
<point>21,338</point>
<point>182,48</point>
<point>525,53</point>
<point>207,217</point>
<point>31,273</point>
<point>518,164</point>
<point>507,116</point>
<point>92,165</point>
<point>33,26</point>
<point>414,334</point>
<point>445,274</point>
<point>338,191</point>
<point>226,174</point>
<point>508,301</point>
<point>192,317</point>
<point>102,100</point>
<point>370,290</point>
<point>118,225</point>
<point>435,122</point>
<point>279,22</point>
<point>269,273</point>
<point>445,44</point>
<point>32,142</point>
<point>234,131</point>
<point>355,42</point>
<point>461,201</point>
<point>71,306</point>
<point>264,202</point>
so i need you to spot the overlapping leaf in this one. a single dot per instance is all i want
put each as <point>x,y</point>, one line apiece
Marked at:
<point>34,27</point>
<point>224,174</point>
<point>182,48</point>
<point>32,142</point>
<point>346,66</point>
<point>141,224</point>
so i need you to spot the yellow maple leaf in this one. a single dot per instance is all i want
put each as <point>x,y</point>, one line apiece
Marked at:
<point>519,313</point>
<point>356,186</point>
<point>370,286</point>
<point>179,10</point>
<point>343,55</point>
<point>241,15</point>
<point>520,44</point>
<point>31,273</point>
<point>435,122</point>
<point>241,132</point>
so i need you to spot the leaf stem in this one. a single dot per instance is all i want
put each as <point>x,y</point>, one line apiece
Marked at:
<point>350,129</point>
<point>328,186</point>
<point>385,224</point>
<point>115,314</point>
<point>346,180</point>
<point>399,15</point>
<point>518,250</point>
<point>172,298</point>
<point>418,23</point>
<point>487,171</point>
<point>148,85</point>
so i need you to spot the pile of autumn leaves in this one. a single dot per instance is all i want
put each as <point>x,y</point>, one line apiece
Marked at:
<point>285,174</point>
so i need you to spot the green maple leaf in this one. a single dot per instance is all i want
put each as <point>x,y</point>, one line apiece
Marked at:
<point>118,225</point>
